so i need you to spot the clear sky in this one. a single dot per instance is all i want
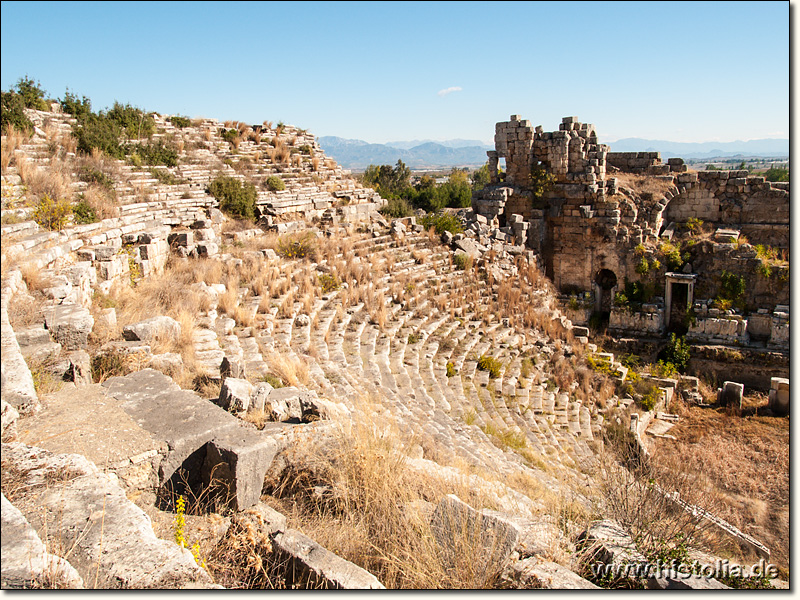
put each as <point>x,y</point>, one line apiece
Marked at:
<point>681,71</point>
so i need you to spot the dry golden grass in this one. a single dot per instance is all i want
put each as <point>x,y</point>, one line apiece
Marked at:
<point>375,510</point>
<point>644,184</point>
<point>291,371</point>
<point>208,134</point>
<point>11,142</point>
<point>746,460</point>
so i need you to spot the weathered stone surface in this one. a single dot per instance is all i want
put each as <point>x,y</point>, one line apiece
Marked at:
<point>9,415</point>
<point>312,566</point>
<point>457,527</point>
<point>258,398</point>
<point>26,563</point>
<point>608,543</point>
<point>69,325</point>
<point>79,369</point>
<point>111,540</point>
<point>16,381</point>
<point>169,363</point>
<point>690,582</point>
<point>535,573</point>
<point>237,462</point>
<point>234,395</point>
<point>157,329</point>
<point>730,394</point>
<point>470,247</point>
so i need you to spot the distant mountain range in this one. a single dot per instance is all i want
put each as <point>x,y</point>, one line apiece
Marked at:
<point>416,154</point>
<point>764,147</point>
<point>429,154</point>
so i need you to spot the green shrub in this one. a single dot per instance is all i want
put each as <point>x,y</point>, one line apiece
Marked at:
<point>541,182</point>
<point>275,183</point>
<point>306,149</point>
<point>732,286</point>
<point>180,121</point>
<point>777,174</point>
<point>298,246</point>
<point>643,268</point>
<point>488,363</point>
<point>463,261</point>
<point>396,208</point>
<point>165,177</point>
<point>234,198</point>
<point>413,338</point>
<point>31,93</point>
<point>229,134</point>
<point>157,153</point>
<point>135,123</point>
<point>273,380</point>
<point>442,222</point>
<point>92,175</point>
<point>12,113</point>
<point>84,213</point>
<point>79,109</point>
<point>95,131</point>
<point>694,224</point>
<point>52,214</point>
<point>677,353</point>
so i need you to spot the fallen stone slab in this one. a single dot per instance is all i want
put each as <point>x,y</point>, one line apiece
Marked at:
<point>608,543</point>
<point>161,329</point>
<point>110,540</point>
<point>311,566</point>
<point>9,416</point>
<point>535,573</point>
<point>26,563</point>
<point>207,447</point>
<point>234,395</point>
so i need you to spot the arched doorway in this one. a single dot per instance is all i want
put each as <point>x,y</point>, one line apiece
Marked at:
<point>606,282</point>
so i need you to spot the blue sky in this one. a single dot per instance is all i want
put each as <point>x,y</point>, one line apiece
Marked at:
<point>380,72</point>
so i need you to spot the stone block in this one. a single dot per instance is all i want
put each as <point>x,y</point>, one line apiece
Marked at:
<point>536,573</point>
<point>608,543</point>
<point>236,463</point>
<point>311,566</point>
<point>730,394</point>
<point>69,325</point>
<point>234,395</point>
<point>156,329</point>
<point>457,527</point>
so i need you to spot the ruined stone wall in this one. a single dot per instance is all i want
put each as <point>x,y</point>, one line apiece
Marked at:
<point>645,163</point>
<point>760,209</point>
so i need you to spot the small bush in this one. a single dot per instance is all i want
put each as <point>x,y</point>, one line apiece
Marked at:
<point>157,153</point>
<point>229,135</point>
<point>413,338</point>
<point>442,222</point>
<point>79,109</point>
<point>328,283</point>
<point>451,369</point>
<point>488,363</point>
<point>180,121</point>
<point>12,114</point>
<point>31,93</point>
<point>643,268</point>
<point>678,353</point>
<point>52,214</point>
<point>397,208</point>
<point>275,183</point>
<point>84,213</point>
<point>92,175</point>
<point>298,246</point>
<point>234,198</point>
<point>462,262</point>
<point>694,224</point>
<point>165,177</point>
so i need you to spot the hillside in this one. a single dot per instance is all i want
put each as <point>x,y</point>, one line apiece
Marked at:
<point>357,154</point>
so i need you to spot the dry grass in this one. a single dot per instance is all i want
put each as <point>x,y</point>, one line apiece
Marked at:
<point>54,181</point>
<point>374,510</point>
<point>11,142</point>
<point>746,460</point>
<point>291,371</point>
<point>644,184</point>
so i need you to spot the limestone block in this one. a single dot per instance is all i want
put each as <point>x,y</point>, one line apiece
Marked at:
<point>234,395</point>
<point>69,325</point>
<point>730,394</point>
<point>779,397</point>
<point>206,249</point>
<point>26,562</point>
<point>456,525</point>
<point>312,566</point>
<point>536,573</point>
<point>156,329</point>
<point>259,396</point>
<point>609,543</point>
<point>237,461</point>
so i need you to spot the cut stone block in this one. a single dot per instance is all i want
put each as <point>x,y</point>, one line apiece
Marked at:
<point>69,325</point>
<point>161,328</point>
<point>234,395</point>
<point>535,573</point>
<point>312,566</point>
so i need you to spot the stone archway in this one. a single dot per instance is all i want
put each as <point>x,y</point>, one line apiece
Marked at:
<point>605,283</point>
